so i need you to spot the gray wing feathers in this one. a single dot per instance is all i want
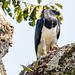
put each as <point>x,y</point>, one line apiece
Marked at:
<point>38,29</point>
<point>58,29</point>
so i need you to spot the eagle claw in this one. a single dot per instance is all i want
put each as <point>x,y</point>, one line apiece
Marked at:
<point>54,47</point>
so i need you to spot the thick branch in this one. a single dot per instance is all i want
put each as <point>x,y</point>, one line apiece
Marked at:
<point>58,62</point>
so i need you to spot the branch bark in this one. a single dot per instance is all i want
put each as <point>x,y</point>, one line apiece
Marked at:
<point>58,62</point>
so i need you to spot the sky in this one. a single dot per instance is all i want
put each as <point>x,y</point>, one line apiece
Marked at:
<point>23,52</point>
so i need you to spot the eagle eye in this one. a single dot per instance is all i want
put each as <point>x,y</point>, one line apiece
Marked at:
<point>54,11</point>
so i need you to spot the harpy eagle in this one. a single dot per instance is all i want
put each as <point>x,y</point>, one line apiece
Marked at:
<point>47,32</point>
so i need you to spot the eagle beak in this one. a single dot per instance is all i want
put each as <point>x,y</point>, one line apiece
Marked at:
<point>57,13</point>
<point>56,16</point>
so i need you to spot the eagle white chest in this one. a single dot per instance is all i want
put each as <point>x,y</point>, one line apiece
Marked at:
<point>50,36</point>
<point>48,39</point>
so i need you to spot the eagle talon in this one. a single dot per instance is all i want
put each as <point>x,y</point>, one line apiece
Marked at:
<point>54,47</point>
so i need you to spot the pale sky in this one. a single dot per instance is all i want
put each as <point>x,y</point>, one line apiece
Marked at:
<point>23,52</point>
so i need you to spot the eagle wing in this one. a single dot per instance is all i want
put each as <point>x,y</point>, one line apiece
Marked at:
<point>58,28</point>
<point>39,26</point>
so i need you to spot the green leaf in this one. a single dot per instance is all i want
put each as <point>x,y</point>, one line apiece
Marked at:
<point>10,14</point>
<point>16,9</point>
<point>8,9</point>
<point>61,19</point>
<point>3,1</point>
<point>32,17</point>
<point>32,23</point>
<point>36,65</point>
<point>19,16</point>
<point>59,5</point>
<point>27,69</point>
<point>33,14</point>
<point>46,7</point>
<point>6,4</point>
<point>39,1</point>
<point>25,14</point>
<point>15,3</point>
<point>19,12</point>
<point>53,7</point>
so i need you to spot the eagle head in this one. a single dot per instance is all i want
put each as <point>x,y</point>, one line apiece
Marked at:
<point>50,13</point>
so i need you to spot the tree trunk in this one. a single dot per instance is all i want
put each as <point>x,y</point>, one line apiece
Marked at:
<point>6,31</point>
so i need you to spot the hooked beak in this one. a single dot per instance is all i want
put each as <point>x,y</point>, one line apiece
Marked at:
<point>57,13</point>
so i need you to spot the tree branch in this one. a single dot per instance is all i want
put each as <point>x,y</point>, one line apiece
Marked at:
<point>58,62</point>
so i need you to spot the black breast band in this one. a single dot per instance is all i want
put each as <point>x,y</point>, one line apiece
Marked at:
<point>50,23</point>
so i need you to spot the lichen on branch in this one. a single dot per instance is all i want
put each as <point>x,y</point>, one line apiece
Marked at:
<point>58,62</point>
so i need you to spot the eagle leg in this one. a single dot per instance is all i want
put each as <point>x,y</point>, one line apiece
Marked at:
<point>44,47</point>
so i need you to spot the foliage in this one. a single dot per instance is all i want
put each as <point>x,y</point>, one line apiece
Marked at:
<point>39,1</point>
<point>36,65</point>
<point>29,69</point>
<point>26,11</point>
